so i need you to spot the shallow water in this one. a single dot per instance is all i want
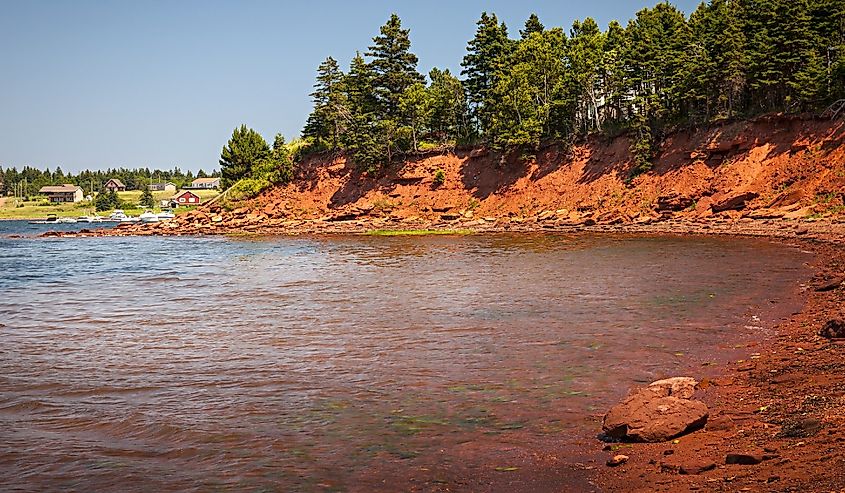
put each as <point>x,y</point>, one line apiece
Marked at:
<point>350,363</point>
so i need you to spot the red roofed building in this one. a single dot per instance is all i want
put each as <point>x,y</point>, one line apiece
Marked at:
<point>186,198</point>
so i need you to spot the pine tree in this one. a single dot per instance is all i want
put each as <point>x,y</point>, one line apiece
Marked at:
<point>360,139</point>
<point>147,199</point>
<point>613,75</point>
<point>325,124</point>
<point>393,64</point>
<point>485,58</point>
<point>244,150</point>
<point>532,25</point>
<point>658,43</point>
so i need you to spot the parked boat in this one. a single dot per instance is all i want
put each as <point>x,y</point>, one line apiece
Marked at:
<point>51,219</point>
<point>149,217</point>
<point>90,219</point>
<point>166,215</point>
<point>66,220</point>
<point>117,215</point>
<point>129,219</point>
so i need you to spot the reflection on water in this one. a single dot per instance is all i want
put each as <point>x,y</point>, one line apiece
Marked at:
<point>335,364</point>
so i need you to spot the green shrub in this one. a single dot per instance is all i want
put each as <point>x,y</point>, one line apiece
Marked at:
<point>249,188</point>
<point>439,177</point>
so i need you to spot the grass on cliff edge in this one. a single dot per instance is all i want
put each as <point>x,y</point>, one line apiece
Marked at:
<point>418,232</point>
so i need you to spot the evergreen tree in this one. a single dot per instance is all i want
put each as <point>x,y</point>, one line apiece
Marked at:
<point>532,25</point>
<point>325,124</point>
<point>147,199</point>
<point>393,65</point>
<point>361,139</point>
<point>586,58</point>
<point>613,74</point>
<point>244,150</point>
<point>485,59</point>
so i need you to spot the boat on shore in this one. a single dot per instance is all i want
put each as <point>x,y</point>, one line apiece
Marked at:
<point>166,215</point>
<point>51,219</point>
<point>149,217</point>
<point>89,219</point>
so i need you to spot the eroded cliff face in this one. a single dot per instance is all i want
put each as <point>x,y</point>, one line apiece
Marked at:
<point>761,171</point>
<point>771,166</point>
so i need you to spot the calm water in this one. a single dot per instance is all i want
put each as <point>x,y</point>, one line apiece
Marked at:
<point>352,364</point>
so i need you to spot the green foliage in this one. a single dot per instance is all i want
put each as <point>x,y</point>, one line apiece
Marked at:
<point>439,178</point>
<point>245,149</point>
<point>327,121</point>
<point>730,58</point>
<point>147,199</point>
<point>532,93</point>
<point>28,180</point>
<point>532,25</point>
<point>106,201</point>
<point>248,188</point>
<point>484,62</point>
<point>394,67</point>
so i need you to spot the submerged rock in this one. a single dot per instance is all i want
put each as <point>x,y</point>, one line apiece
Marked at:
<point>660,412</point>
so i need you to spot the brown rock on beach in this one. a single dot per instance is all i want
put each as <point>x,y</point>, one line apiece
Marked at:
<point>657,413</point>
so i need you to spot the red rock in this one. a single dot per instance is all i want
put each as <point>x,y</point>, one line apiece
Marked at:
<point>720,423</point>
<point>617,460</point>
<point>655,414</point>
<point>734,201</point>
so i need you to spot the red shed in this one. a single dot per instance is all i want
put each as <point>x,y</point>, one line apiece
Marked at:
<point>187,198</point>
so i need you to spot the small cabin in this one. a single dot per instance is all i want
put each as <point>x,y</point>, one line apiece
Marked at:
<point>206,183</point>
<point>186,198</point>
<point>62,193</point>
<point>114,185</point>
<point>162,187</point>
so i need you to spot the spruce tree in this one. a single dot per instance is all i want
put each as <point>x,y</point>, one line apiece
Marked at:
<point>147,199</point>
<point>325,123</point>
<point>393,65</point>
<point>485,59</point>
<point>532,25</point>
<point>361,139</point>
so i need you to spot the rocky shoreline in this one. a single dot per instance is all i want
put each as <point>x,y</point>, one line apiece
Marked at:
<point>775,418</point>
<point>217,221</point>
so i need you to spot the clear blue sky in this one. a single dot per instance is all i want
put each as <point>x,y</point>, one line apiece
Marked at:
<point>93,84</point>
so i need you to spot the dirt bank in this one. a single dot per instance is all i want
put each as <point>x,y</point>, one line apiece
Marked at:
<point>772,171</point>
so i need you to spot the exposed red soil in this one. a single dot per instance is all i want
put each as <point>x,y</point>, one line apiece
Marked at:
<point>774,176</point>
<point>766,170</point>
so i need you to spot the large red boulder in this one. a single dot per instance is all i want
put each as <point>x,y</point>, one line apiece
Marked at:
<point>660,412</point>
